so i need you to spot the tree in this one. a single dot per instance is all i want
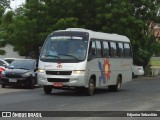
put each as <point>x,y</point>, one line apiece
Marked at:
<point>27,28</point>
<point>31,25</point>
<point>3,5</point>
<point>37,18</point>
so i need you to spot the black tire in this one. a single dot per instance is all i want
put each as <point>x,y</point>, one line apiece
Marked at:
<point>133,75</point>
<point>116,88</point>
<point>3,86</point>
<point>91,87</point>
<point>47,89</point>
<point>32,83</point>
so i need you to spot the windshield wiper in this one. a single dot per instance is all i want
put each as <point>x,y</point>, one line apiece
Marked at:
<point>70,56</point>
<point>52,56</point>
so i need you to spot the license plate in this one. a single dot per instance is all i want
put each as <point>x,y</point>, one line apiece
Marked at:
<point>57,84</point>
<point>12,80</point>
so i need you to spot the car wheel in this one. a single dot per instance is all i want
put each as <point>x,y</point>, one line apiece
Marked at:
<point>133,75</point>
<point>47,89</point>
<point>32,83</point>
<point>116,88</point>
<point>91,87</point>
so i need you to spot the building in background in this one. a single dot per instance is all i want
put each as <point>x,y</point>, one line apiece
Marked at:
<point>10,53</point>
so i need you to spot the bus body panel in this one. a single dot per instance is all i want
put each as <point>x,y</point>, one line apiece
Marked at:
<point>107,70</point>
<point>120,67</point>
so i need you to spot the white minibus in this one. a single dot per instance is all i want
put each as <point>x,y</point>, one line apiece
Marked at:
<point>84,59</point>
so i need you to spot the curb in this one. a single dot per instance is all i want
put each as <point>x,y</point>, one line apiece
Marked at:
<point>145,77</point>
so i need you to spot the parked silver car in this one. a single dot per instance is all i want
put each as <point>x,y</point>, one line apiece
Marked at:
<point>137,71</point>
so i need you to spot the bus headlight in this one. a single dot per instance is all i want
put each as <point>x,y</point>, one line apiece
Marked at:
<point>41,70</point>
<point>79,72</point>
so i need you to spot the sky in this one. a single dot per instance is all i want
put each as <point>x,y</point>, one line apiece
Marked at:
<point>16,3</point>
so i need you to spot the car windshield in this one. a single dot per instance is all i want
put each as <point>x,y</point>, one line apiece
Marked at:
<point>9,60</point>
<point>65,47</point>
<point>23,64</point>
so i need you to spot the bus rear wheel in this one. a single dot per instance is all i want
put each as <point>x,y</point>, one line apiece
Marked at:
<point>47,89</point>
<point>117,87</point>
<point>91,87</point>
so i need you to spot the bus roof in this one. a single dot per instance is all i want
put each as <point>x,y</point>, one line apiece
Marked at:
<point>100,35</point>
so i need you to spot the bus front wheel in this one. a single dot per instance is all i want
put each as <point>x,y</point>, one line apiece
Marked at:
<point>91,87</point>
<point>47,89</point>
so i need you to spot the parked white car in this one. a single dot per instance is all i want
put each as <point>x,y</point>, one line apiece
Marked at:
<point>137,71</point>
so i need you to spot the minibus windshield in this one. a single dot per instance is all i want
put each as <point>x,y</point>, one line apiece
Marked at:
<point>65,47</point>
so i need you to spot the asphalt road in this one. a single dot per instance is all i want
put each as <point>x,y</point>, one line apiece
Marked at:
<point>138,95</point>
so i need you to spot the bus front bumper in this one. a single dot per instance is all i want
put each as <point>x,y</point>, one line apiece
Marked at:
<point>70,81</point>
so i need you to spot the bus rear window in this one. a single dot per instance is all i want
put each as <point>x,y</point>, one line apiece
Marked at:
<point>127,50</point>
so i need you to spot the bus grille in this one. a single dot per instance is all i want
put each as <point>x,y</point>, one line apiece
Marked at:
<point>57,80</point>
<point>58,72</point>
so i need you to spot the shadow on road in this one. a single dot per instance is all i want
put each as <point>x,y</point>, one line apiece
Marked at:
<point>20,87</point>
<point>80,92</point>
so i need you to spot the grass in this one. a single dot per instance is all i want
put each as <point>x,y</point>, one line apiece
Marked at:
<point>155,62</point>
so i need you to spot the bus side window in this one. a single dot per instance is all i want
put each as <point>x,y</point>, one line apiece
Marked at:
<point>92,50</point>
<point>127,50</point>
<point>98,46</point>
<point>105,49</point>
<point>113,48</point>
<point>120,50</point>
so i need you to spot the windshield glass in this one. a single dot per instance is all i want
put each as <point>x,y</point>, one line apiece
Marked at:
<point>65,47</point>
<point>23,64</point>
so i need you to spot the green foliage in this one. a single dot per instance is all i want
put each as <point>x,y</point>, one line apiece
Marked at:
<point>3,5</point>
<point>64,23</point>
<point>23,34</point>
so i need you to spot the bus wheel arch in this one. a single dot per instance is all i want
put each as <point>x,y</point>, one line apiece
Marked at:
<point>119,82</point>
<point>91,85</point>
<point>117,86</point>
<point>94,79</point>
